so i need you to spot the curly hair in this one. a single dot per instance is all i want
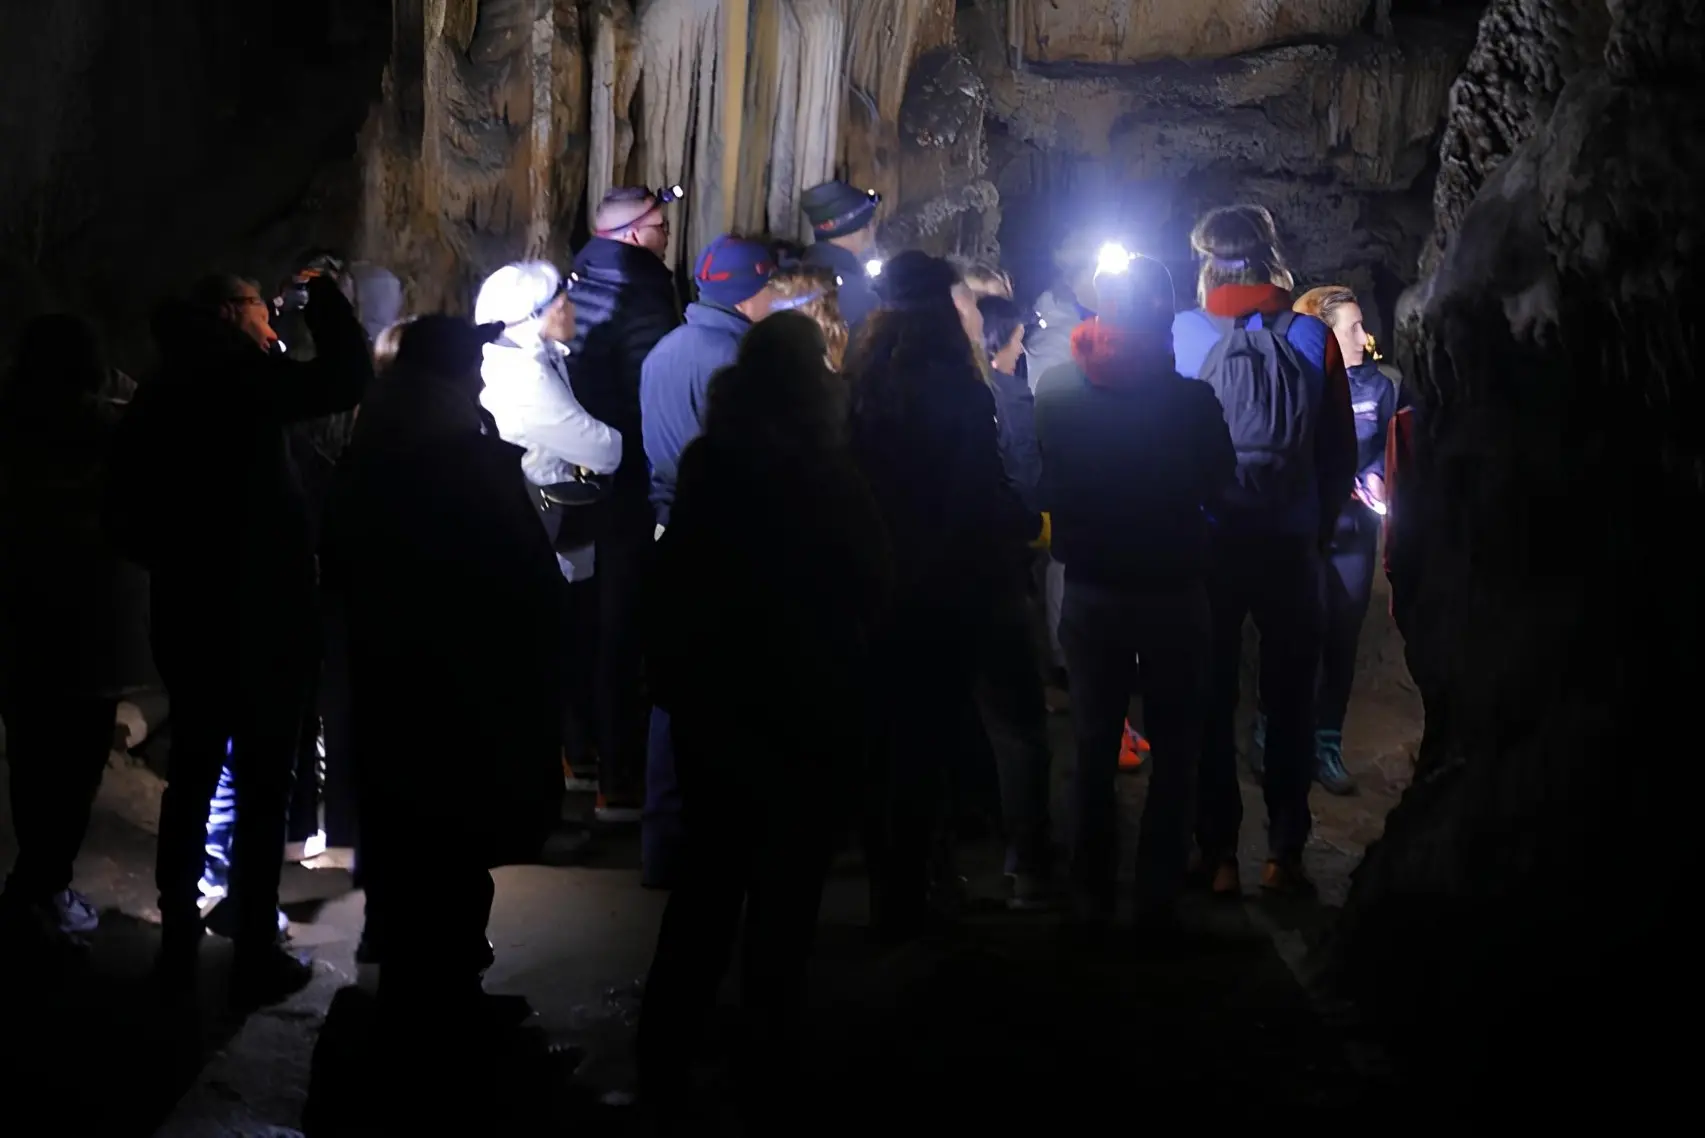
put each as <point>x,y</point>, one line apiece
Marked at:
<point>793,281</point>
<point>1239,244</point>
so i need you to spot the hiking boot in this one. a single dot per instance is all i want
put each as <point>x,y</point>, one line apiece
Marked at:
<point>1134,751</point>
<point>1285,877</point>
<point>267,976</point>
<point>581,780</point>
<point>1257,756</point>
<point>1329,769</point>
<point>617,813</point>
<point>221,920</point>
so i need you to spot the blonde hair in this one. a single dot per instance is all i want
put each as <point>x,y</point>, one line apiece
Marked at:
<point>1324,302</point>
<point>1239,245</point>
<point>824,308</point>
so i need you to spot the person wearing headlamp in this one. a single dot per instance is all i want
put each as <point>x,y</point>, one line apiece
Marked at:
<point>844,222</point>
<point>625,303</point>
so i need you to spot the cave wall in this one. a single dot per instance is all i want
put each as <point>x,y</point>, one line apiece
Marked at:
<point>1136,31</point>
<point>1331,127</point>
<point>1524,906</point>
<point>148,142</point>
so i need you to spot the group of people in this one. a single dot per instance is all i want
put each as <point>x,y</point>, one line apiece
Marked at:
<point>765,572</point>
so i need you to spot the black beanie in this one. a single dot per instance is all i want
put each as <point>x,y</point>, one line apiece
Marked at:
<point>916,280</point>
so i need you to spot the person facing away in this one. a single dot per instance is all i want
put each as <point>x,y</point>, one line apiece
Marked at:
<point>1133,455</point>
<point>843,221</point>
<point>443,580</point>
<point>627,304</point>
<point>203,495</point>
<point>775,564</point>
<point>925,436</point>
<point>1280,380</point>
<point>1348,580</point>
<point>811,289</point>
<point>732,276</point>
<point>61,620</point>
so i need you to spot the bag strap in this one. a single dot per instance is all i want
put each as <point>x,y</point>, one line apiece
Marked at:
<point>1282,326</point>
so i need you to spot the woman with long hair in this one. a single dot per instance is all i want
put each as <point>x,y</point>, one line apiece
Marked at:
<point>924,433</point>
<point>811,291</point>
<point>774,565</point>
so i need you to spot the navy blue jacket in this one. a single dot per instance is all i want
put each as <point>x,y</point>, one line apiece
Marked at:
<point>672,389</point>
<point>1015,419</point>
<point>857,295</point>
<point>624,303</point>
<point>1373,401</point>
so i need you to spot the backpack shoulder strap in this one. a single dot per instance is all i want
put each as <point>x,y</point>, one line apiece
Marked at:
<point>1282,326</point>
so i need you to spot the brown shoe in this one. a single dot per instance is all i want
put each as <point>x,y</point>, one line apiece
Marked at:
<point>1224,882</point>
<point>1285,876</point>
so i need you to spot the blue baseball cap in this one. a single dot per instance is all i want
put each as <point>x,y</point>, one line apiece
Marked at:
<point>733,269</point>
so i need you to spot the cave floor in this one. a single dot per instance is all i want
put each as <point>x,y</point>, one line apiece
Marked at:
<point>1013,1021</point>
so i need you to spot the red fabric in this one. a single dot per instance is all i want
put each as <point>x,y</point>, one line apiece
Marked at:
<point>1335,435</point>
<point>1118,357</point>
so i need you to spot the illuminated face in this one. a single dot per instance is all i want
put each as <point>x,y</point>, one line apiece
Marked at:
<point>250,314</point>
<point>1352,335</point>
<point>651,232</point>
<point>1006,360</point>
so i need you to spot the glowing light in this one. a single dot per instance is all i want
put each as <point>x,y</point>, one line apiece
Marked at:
<point>1040,322</point>
<point>1113,258</point>
<point>1377,507</point>
<point>873,268</point>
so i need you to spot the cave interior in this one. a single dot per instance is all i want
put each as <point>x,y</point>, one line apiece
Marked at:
<point>1510,180</point>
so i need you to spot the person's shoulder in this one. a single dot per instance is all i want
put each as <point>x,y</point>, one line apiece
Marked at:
<point>1309,335</point>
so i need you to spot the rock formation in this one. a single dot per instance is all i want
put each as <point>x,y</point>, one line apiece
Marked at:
<point>1521,911</point>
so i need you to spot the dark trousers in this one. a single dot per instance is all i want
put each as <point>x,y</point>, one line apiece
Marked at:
<point>1009,695</point>
<point>260,711</point>
<point>1347,586</point>
<point>580,703</point>
<point>433,901</point>
<point>624,711</point>
<point>57,744</point>
<point>304,815</point>
<point>758,842</point>
<point>1275,580</point>
<point>927,675</point>
<point>1103,632</point>
<point>661,834</point>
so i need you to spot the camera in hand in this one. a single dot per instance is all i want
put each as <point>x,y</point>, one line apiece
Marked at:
<point>294,296</point>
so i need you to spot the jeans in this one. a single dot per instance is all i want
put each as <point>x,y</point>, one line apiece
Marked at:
<point>1276,580</point>
<point>1103,631</point>
<point>1347,587</point>
<point>256,714</point>
<point>624,558</point>
<point>56,752</point>
<point>1009,695</point>
<point>661,831</point>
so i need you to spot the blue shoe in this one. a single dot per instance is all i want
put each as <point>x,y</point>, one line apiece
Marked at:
<point>1329,769</point>
<point>1257,756</point>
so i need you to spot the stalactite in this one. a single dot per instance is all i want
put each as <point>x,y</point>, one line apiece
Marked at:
<point>679,43</point>
<point>570,141</point>
<point>793,88</point>
<point>615,68</point>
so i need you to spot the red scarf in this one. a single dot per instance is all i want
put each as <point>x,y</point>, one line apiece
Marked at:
<point>1115,357</point>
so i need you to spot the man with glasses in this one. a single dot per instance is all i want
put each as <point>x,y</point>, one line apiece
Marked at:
<point>204,495</point>
<point>624,298</point>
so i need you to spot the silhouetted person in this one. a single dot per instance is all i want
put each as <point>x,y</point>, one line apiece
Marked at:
<point>445,587</point>
<point>1132,456</point>
<point>625,297</point>
<point>59,619</point>
<point>924,433</point>
<point>774,565</point>
<point>206,498</point>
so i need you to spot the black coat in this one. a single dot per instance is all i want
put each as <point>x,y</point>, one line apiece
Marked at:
<point>445,590</point>
<point>624,302</point>
<point>205,495</point>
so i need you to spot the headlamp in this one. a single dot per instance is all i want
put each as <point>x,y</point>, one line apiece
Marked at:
<point>669,194</point>
<point>873,267</point>
<point>1113,258</point>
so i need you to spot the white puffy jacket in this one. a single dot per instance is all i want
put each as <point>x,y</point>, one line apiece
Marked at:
<point>528,393</point>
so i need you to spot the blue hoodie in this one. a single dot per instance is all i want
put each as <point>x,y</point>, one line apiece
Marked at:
<point>673,384</point>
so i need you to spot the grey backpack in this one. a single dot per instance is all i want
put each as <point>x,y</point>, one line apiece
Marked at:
<point>1270,408</point>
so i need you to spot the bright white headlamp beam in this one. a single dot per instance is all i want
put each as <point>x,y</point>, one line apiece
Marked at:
<point>1113,258</point>
<point>873,268</point>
